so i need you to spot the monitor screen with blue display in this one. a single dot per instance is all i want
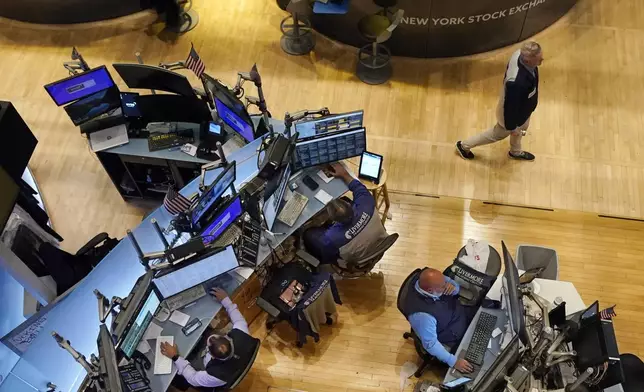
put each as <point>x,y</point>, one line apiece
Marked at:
<point>214,128</point>
<point>234,121</point>
<point>214,192</point>
<point>140,324</point>
<point>332,123</point>
<point>80,86</point>
<point>229,215</point>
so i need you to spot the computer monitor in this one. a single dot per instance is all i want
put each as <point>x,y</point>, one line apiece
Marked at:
<point>332,123</point>
<point>189,274</point>
<point>228,215</point>
<point>139,323</point>
<point>234,121</point>
<point>209,198</point>
<point>108,364</point>
<point>154,78</point>
<point>516,312</point>
<point>80,86</point>
<point>8,197</point>
<point>93,105</point>
<point>330,148</point>
<point>130,105</point>
<point>272,203</point>
<point>503,363</point>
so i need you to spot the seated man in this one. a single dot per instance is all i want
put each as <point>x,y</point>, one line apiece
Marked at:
<point>227,356</point>
<point>438,318</point>
<point>356,226</point>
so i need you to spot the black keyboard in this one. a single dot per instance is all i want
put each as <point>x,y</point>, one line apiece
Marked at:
<point>481,337</point>
<point>162,141</point>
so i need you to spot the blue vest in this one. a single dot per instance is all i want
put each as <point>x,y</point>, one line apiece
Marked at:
<point>450,314</point>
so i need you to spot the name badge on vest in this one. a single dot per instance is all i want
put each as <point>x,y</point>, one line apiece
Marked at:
<point>532,93</point>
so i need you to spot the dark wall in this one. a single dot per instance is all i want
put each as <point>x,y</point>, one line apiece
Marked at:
<point>69,11</point>
<point>445,28</point>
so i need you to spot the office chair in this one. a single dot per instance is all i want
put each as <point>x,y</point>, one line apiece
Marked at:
<point>532,257</point>
<point>474,284</point>
<point>67,269</point>
<point>374,59</point>
<point>418,344</point>
<point>297,31</point>
<point>241,376</point>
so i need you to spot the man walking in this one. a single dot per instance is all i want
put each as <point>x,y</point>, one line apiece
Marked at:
<point>517,102</point>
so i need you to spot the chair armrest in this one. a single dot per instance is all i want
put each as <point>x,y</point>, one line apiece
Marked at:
<point>91,244</point>
<point>267,307</point>
<point>306,256</point>
<point>466,294</point>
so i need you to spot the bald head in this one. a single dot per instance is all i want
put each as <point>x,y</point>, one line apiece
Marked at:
<point>432,281</point>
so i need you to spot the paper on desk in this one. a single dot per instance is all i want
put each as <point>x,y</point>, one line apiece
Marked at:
<point>233,144</point>
<point>324,176</point>
<point>189,149</point>
<point>162,364</point>
<point>143,347</point>
<point>489,343</point>
<point>179,318</point>
<point>323,197</point>
<point>496,332</point>
<point>152,332</point>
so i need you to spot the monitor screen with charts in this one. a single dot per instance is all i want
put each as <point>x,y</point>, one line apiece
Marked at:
<point>92,106</point>
<point>235,121</point>
<point>154,78</point>
<point>213,193</point>
<point>272,203</point>
<point>192,273</point>
<point>370,165</point>
<point>222,221</point>
<point>332,148</point>
<point>332,123</point>
<point>80,86</point>
<point>139,324</point>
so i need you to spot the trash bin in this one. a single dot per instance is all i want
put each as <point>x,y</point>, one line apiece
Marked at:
<point>533,256</point>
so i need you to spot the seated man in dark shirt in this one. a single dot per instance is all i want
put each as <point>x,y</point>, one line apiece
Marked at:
<point>356,226</point>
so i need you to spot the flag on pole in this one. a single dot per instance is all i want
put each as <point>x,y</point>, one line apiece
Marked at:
<point>608,313</point>
<point>194,63</point>
<point>175,202</point>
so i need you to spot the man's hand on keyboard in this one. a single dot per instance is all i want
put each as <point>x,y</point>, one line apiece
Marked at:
<point>463,366</point>
<point>218,293</point>
<point>169,350</point>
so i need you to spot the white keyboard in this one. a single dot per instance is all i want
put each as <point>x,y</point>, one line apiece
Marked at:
<point>293,208</point>
<point>228,237</point>
<point>162,364</point>
<point>185,297</point>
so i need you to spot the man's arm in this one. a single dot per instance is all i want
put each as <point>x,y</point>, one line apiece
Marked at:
<point>238,320</point>
<point>196,378</point>
<point>362,198</point>
<point>457,287</point>
<point>425,327</point>
<point>514,97</point>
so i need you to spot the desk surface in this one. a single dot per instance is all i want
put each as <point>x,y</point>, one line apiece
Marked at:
<point>43,361</point>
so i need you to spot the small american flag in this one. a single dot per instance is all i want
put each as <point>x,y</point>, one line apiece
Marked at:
<point>194,63</point>
<point>175,202</point>
<point>608,313</point>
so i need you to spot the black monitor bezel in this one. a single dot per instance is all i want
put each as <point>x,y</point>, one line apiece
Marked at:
<point>76,76</point>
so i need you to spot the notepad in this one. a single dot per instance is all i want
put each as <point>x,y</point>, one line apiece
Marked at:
<point>323,197</point>
<point>162,364</point>
<point>152,332</point>
<point>179,318</point>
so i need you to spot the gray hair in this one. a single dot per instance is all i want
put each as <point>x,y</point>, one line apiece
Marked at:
<point>530,49</point>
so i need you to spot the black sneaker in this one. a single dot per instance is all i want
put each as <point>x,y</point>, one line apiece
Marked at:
<point>465,154</point>
<point>522,156</point>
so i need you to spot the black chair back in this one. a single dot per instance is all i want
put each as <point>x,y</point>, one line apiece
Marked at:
<point>244,373</point>
<point>404,289</point>
<point>366,264</point>
<point>474,284</point>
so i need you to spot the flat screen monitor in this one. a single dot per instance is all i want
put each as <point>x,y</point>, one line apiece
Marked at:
<point>228,215</point>
<point>154,78</point>
<point>8,197</point>
<point>332,123</point>
<point>272,203</point>
<point>234,121</point>
<point>503,363</point>
<point>94,105</point>
<point>108,364</point>
<point>130,105</point>
<point>516,312</point>
<point>195,272</point>
<point>332,148</point>
<point>139,323</point>
<point>214,192</point>
<point>214,128</point>
<point>80,86</point>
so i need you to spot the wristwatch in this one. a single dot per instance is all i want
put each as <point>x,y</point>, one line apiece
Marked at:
<point>174,359</point>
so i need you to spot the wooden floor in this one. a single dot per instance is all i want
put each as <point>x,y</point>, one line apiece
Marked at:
<point>364,350</point>
<point>585,133</point>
